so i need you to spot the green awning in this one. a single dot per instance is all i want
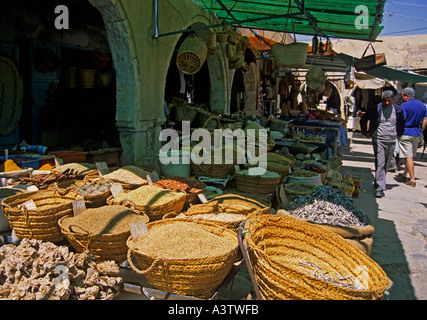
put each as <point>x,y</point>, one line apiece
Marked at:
<point>331,18</point>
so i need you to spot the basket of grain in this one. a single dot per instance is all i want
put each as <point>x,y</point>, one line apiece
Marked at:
<point>151,200</point>
<point>293,259</point>
<point>40,223</point>
<point>263,184</point>
<point>191,186</point>
<point>102,231</point>
<point>95,191</point>
<point>232,203</point>
<point>130,177</point>
<point>184,257</point>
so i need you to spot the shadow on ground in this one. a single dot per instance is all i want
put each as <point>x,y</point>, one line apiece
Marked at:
<point>387,249</point>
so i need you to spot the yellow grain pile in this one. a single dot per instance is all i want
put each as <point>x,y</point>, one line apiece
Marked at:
<point>104,220</point>
<point>149,195</point>
<point>183,240</point>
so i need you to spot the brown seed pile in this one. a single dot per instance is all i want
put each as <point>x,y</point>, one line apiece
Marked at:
<point>183,240</point>
<point>188,185</point>
<point>126,177</point>
<point>104,220</point>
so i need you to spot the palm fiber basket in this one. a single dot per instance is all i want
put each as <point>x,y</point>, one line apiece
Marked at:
<point>231,203</point>
<point>192,55</point>
<point>191,186</point>
<point>163,258</point>
<point>216,171</point>
<point>102,231</point>
<point>256,184</point>
<point>154,211</point>
<point>42,223</point>
<point>293,259</point>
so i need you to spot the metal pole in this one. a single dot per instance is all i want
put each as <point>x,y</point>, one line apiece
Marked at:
<point>156,18</point>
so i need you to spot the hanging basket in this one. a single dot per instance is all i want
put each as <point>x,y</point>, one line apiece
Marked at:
<point>294,259</point>
<point>289,55</point>
<point>315,78</point>
<point>87,78</point>
<point>222,36</point>
<point>192,55</point>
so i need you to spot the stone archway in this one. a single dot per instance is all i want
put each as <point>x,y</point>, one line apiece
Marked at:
<point>141,64</point>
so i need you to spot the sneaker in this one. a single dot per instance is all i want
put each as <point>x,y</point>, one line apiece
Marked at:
<point>411,184</point>
<point>379,194</point>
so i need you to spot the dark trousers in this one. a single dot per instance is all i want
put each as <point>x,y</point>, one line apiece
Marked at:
<point>383,152</point>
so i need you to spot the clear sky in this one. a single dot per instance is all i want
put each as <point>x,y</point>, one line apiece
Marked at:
<point>404,17</point>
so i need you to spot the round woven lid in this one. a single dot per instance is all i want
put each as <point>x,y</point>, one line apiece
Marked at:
<point>315,78</point>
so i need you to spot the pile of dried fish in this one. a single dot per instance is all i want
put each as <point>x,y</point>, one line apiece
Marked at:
<point>94,188</point>
<point>328,205</point>
<point>37,270</point>
<point>350,282</point>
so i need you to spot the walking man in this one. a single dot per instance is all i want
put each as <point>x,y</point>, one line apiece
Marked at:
<point>416,122</point>
<point>386,124</point>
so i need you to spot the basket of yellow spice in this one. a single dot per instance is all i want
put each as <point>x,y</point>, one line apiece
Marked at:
<point>185,257</point>
<point>102,231</point>
<point>154,201</point>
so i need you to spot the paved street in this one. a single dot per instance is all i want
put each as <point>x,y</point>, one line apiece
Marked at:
<point>400,238</point>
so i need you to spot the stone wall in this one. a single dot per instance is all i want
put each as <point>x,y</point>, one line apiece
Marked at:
<point>141,62</point>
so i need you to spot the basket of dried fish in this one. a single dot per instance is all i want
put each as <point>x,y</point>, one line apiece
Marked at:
<point>293,259</point>
<point>264,184</point>
<point>154,201</point>
<point>102,231</point>
<point>331,209</point>
<point>191,186</point>
<point>185,257</point>
<point>35,215</point>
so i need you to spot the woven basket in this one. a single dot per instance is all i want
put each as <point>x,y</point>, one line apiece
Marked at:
<point>70,77</point>
<point>195,277</point>
<point>222,36</point>
<point>192,55</point>
<point>256,184</point>
<point>154,212</point>
<point>105,247</point>
<point>280,248</point>
<point>240,204</point>
<point>87,78</point>
<point>216,171</point>
<point>185,113</point>
<point>192,193</point>
<point>289,55</point>
<point>40,224</point>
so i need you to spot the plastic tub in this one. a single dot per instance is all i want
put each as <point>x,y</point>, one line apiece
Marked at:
<point>175,163</point>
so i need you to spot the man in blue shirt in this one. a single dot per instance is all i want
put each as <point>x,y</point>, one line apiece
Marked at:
<point>416,122</point>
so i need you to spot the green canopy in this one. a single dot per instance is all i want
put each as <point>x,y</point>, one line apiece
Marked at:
<point>326,18</point>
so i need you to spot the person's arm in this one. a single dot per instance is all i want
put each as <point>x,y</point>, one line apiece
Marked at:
<point>424,126</point>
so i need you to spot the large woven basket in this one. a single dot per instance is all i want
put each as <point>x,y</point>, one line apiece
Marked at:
<point>256,184</point>
<point>216,171</point>
<point>292,260</point>
<point>238,203</point>
<point>192,55</point>
<point>105,246</point>
<point>40,224</point>
<point>289,55</point>
<point>197,277</point>
<point>192,186</point>
<point>153,211</point>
